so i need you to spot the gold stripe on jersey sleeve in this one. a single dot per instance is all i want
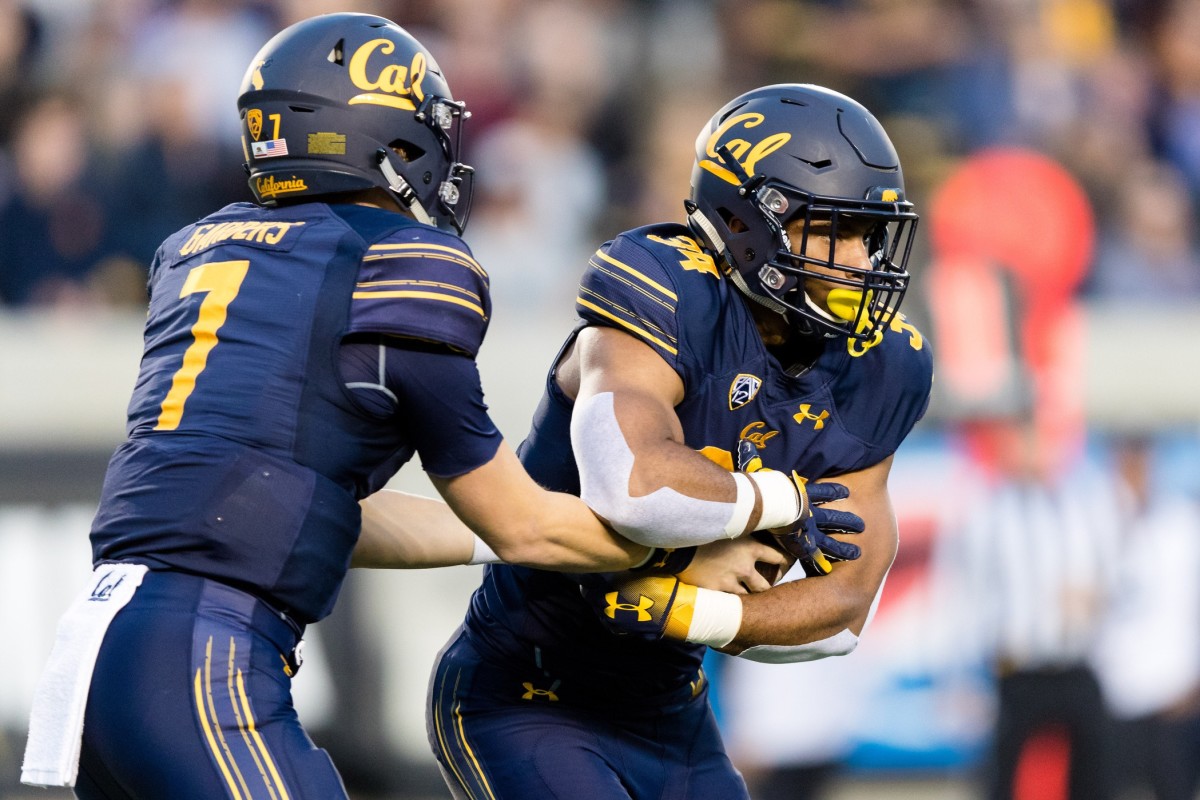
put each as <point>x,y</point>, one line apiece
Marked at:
<point>458,301</point>
<point>622,312</point>
<point>628,325</point>
<point>644,279</point>
<point>425,250</point>
<point>448,287</point>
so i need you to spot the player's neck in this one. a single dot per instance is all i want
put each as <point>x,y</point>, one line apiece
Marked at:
<point>795,351</point>
<point>798,353</point>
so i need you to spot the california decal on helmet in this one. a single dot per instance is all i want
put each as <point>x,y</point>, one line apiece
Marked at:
<point>346,102</point>
<point>792,152</point>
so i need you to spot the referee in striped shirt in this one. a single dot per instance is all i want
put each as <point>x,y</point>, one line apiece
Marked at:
<point>1032,558</point>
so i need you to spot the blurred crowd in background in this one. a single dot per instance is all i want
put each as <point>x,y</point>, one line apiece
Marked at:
<point>1051,146</point>
<point>118,123</point>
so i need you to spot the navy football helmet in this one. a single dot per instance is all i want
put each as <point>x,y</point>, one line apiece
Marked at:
<point>346,102</point>
<point>797,151</point>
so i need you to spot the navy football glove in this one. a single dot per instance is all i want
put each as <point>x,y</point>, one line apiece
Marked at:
<point>808,539</point>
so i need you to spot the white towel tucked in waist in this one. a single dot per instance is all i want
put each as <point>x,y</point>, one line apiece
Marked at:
<point>56,722</point>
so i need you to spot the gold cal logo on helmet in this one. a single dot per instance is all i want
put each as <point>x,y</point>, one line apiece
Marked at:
<point>748,154</point>
<point>393,85</point>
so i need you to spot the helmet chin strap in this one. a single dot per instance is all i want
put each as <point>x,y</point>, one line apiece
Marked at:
<point>403,190</point>
<point>702,227</point>
<point>820,312</point>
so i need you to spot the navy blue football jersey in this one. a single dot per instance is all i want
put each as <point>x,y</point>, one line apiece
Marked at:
<point>246,452</point>
<point>849,411</point>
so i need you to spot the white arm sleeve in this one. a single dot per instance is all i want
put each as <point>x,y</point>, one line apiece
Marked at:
<point>663,518</point>
<point>839,644</point>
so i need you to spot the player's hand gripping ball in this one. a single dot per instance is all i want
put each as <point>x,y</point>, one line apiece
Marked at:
<point>808,539</point>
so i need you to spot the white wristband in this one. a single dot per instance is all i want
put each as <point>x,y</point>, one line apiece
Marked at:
<point>481,553</point>
<point>780,502</point>
<point>743,506</point>
<point>716,618</point>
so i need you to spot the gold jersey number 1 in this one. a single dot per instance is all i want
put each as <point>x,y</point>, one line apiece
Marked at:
<point>221,281</point>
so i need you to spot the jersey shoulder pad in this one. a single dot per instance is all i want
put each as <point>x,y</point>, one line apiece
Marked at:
<point>651,282</point>
<point>420,282</point>
<point>890,381</point>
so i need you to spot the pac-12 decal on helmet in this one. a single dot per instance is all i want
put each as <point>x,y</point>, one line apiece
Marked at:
<point>351,102</point>
<point>796,151</point>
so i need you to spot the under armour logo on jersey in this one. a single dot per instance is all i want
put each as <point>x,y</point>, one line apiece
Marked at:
<point>532,692</point>
<point>743,389</point>
<point>662,562</point>
<point>641,608</point>
<point>818,420</point>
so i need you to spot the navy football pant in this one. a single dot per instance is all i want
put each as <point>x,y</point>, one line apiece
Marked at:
<point>191,698</point>
<point>495,744</point>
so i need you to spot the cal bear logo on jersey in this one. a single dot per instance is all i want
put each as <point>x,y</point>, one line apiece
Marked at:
<point>743,390</point>
<point>752,433</point>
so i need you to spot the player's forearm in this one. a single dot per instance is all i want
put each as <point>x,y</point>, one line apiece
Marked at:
<point>814,609</point>
<point>563,534</point>
<point>525,524</point>
<point>801,612</point>
<point>824,615</point>
<point>407,531</point>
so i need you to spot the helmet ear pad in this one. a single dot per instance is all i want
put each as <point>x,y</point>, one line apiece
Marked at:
<point>749,248</point>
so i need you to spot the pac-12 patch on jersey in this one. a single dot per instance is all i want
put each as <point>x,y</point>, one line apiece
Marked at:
<point>742,390</point>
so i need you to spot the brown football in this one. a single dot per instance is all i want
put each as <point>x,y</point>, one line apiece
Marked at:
<point>772,572</point>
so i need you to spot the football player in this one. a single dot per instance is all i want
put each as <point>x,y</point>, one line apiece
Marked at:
<point>298,351</point>
<point>763,333</point>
